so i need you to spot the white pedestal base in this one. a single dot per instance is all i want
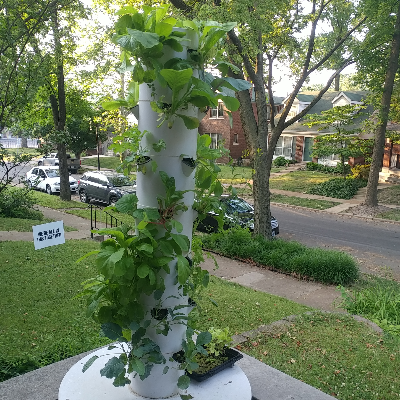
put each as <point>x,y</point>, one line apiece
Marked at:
<point>230,384</point>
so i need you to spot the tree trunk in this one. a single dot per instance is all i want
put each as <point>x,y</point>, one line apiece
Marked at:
<point>337,82</point>
<point>371,198</point>
<point>59,112</point>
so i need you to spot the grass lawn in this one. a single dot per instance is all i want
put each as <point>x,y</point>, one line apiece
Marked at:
<point>105,162</point>
<point>25,225</point>
<point>389,195</point>
<point>393,215</point>
<point>335,354</point>
<point>298,181</point>
<point>103,216</point>
<point>41,322</point>
<point>297,201</point>
<point>54,201</point>
<point>237,175</point>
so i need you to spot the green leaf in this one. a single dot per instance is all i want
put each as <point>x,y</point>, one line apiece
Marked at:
<point>203,338</point>
<point>190,122</point>
<point>121,380</point>
<point>165,370</point>
<point>160,145</point>
<point>181,240</point>
<point>114,104</point>
<point>111,330</point>
<point>183,382</point>
<point>126,10</point>
<point>183,269</point>
<point>113,368</point>
<point>231,103</point>
<point>143,271</point>
<point>186,396</point>
<point>154,166</point>
<point>177,225</point>
<point>89,363</point>
<point>147,248</point>
<point>138,366</point>
<point>163,29</point>
<point>176,79</point>
<point>146,39</point>
<point>114,258</point>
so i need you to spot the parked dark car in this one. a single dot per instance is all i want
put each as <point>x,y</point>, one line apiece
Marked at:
<point>236,211</point>
<point>104,186</point>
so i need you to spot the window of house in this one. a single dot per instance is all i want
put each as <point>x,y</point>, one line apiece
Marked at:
<point>235,138</point>
<point>217,112</point>
<point>284,147</point>
<point>216,140</point>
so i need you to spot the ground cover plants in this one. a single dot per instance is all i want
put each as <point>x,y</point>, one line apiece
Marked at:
<point>326,266</point>
<point>50,201</point>
<point>339,188</point>
<point>334,353</point>
<point>389,195</point>
<point>105,162</point>
<point>393,215</point>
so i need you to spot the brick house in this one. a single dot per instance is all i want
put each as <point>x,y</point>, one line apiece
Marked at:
<point>217,124</point>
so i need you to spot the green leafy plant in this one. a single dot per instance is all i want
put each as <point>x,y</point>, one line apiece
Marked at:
<point>281,162</point>
<point>339,188</point>
<point>326,266</point>
<point>143,36</point>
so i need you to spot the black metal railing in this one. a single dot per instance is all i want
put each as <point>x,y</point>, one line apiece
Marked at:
<point>110,220</point>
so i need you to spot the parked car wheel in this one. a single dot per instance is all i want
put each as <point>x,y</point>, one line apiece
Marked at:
<point>48,190</point>
<point>113,200</point>
<point>40,163</point>
<point>83,196</point>
<point>29,184</point>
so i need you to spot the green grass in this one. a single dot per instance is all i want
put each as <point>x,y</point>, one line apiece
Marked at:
<point>389,195</point>
<point>298,201</point>
<point>335,354</point>
<point>238,175</point>
<point>393,215</point>
<point>54,201</point>
<point>242,309</point>
<point>105,162</point>
<point>298,181</point>
<point>40,322</point>
<point>101,216</point>
<point>25,150</point>
<point>25,225</point>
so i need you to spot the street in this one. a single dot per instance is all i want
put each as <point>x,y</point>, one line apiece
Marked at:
<point>374,244</point>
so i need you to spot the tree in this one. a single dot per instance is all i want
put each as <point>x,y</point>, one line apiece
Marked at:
<point>21,21</point>
<point>342,141</point>
<point>268,33</point>
<point>381,65</point>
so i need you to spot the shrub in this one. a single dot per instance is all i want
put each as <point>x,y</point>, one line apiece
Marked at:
<point>339,188</point>
<point>18,203</point>
<point>281,162</point>
<point>326,266</point>
<point>339,169</point>
<point>361,171</point>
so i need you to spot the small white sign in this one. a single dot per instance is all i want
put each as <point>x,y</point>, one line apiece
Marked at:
<point>50,234</point>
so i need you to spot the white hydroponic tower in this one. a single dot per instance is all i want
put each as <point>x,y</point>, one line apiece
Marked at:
<point>180,143</point>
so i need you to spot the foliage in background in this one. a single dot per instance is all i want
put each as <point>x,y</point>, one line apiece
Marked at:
<point>339,188</point>
<point>338,169</point>
<point>281,162</point>
<point>360,171</point>
<point>326,266</point>
<point>344,121</point>
<point>18,203</point>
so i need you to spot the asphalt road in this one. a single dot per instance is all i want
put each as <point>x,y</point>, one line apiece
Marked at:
<point>375,244</point>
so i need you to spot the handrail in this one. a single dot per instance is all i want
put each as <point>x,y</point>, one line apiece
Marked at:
<point>93,219</point>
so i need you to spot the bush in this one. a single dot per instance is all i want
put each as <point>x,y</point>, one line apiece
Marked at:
<point>281,162</point>
<point>339,169</point>
<point>339,188</point>
<point>18,203</point>
<point>361,171</point>
<point>326,266</point>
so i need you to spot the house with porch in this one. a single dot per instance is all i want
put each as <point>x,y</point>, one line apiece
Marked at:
<point>297,140</point>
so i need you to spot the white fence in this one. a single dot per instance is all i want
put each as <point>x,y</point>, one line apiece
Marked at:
<point>16,143</point>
